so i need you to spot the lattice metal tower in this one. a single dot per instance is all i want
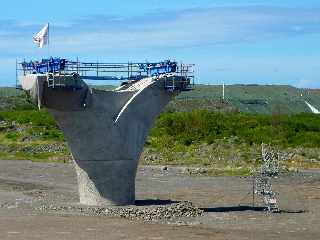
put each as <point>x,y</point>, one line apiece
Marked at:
<point>269,170</point>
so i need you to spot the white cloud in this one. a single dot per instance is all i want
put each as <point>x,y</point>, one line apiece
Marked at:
<point>196,27</point>
<point>187,28</point>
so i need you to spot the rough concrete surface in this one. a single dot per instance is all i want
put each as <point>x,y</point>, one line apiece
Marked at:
<point>26,188</point>
<point>105,130</point>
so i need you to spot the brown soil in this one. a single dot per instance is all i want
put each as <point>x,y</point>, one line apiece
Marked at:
<point>227,203</point>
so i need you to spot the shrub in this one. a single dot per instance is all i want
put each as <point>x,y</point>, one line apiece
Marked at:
<point>202,126</point>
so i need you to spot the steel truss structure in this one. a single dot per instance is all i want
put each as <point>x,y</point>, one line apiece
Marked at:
<point>269,170</point>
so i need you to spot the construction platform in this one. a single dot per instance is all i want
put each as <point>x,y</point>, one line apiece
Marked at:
<point>59,71</point>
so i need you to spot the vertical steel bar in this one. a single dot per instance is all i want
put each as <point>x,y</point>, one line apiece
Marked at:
<point>77,65</point>
<point>97,69</point>
<point>128,69</point>
<point>16,73</point>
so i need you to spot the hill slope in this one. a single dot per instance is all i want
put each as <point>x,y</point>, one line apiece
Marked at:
<point>263,99</point>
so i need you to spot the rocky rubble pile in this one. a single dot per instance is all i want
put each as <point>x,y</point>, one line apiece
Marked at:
<point>195,171</point>
<point>3,124</point>
<point>51,148</point>
<point>166,213</point>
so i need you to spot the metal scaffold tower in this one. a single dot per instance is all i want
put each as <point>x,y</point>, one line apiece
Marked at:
<point>269,170</point>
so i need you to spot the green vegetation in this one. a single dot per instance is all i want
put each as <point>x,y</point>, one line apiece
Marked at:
<point>15,102</point>
<point>31,135</point>
<point>256,99</point>
<point>230,143</point>
<point>197,129</point>
<point>201,126</point>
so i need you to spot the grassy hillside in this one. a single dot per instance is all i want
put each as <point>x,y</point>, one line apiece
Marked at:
<point>12,99</point>
<point>9,91</point>
<point>263,99</point>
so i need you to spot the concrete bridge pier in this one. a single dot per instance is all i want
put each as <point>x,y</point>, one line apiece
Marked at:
<point>106,131</point>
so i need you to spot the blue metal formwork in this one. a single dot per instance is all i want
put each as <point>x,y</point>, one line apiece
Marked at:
<point>156,69</point>
<point>50,65</point>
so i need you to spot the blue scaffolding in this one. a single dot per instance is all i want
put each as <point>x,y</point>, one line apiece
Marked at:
<point>98,71</point>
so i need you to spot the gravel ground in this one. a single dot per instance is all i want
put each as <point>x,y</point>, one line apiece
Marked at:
<point>40,201</point>
<point>172,213</point>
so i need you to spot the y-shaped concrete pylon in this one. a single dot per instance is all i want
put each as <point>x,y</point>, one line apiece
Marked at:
<point>106,131</point>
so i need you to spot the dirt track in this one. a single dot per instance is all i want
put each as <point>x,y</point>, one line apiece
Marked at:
<point>229,214</point>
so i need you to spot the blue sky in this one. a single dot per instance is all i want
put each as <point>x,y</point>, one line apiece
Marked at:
<point>243,41</point>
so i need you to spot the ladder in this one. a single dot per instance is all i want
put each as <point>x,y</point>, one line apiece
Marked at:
<point>50,80</point>
<point>56,81</point>
<point>169,85</point>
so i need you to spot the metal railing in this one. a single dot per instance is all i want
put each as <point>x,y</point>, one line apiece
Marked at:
<point>101,71</point>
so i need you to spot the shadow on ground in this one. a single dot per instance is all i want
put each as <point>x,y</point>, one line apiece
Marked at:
<point>150,202</point>
<point>234,209</point>
<point>246,208</point>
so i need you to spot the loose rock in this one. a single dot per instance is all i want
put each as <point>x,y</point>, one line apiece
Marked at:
<point>148,214</point>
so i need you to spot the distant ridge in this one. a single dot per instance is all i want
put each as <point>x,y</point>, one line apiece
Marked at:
<point>253,98</point>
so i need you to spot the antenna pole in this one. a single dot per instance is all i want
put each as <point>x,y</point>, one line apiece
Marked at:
<point>16,73</point>
<point>223,91</point>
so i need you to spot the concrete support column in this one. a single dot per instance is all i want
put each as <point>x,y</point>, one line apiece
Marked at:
<point>106,182</point>
<point>106,131</point>
<point>107,138</point>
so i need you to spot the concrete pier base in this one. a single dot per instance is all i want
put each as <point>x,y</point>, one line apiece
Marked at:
<point>106,131</point>
<point>106,183</point>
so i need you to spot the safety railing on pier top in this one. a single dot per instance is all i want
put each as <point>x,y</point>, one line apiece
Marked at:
<point>109,71</point>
